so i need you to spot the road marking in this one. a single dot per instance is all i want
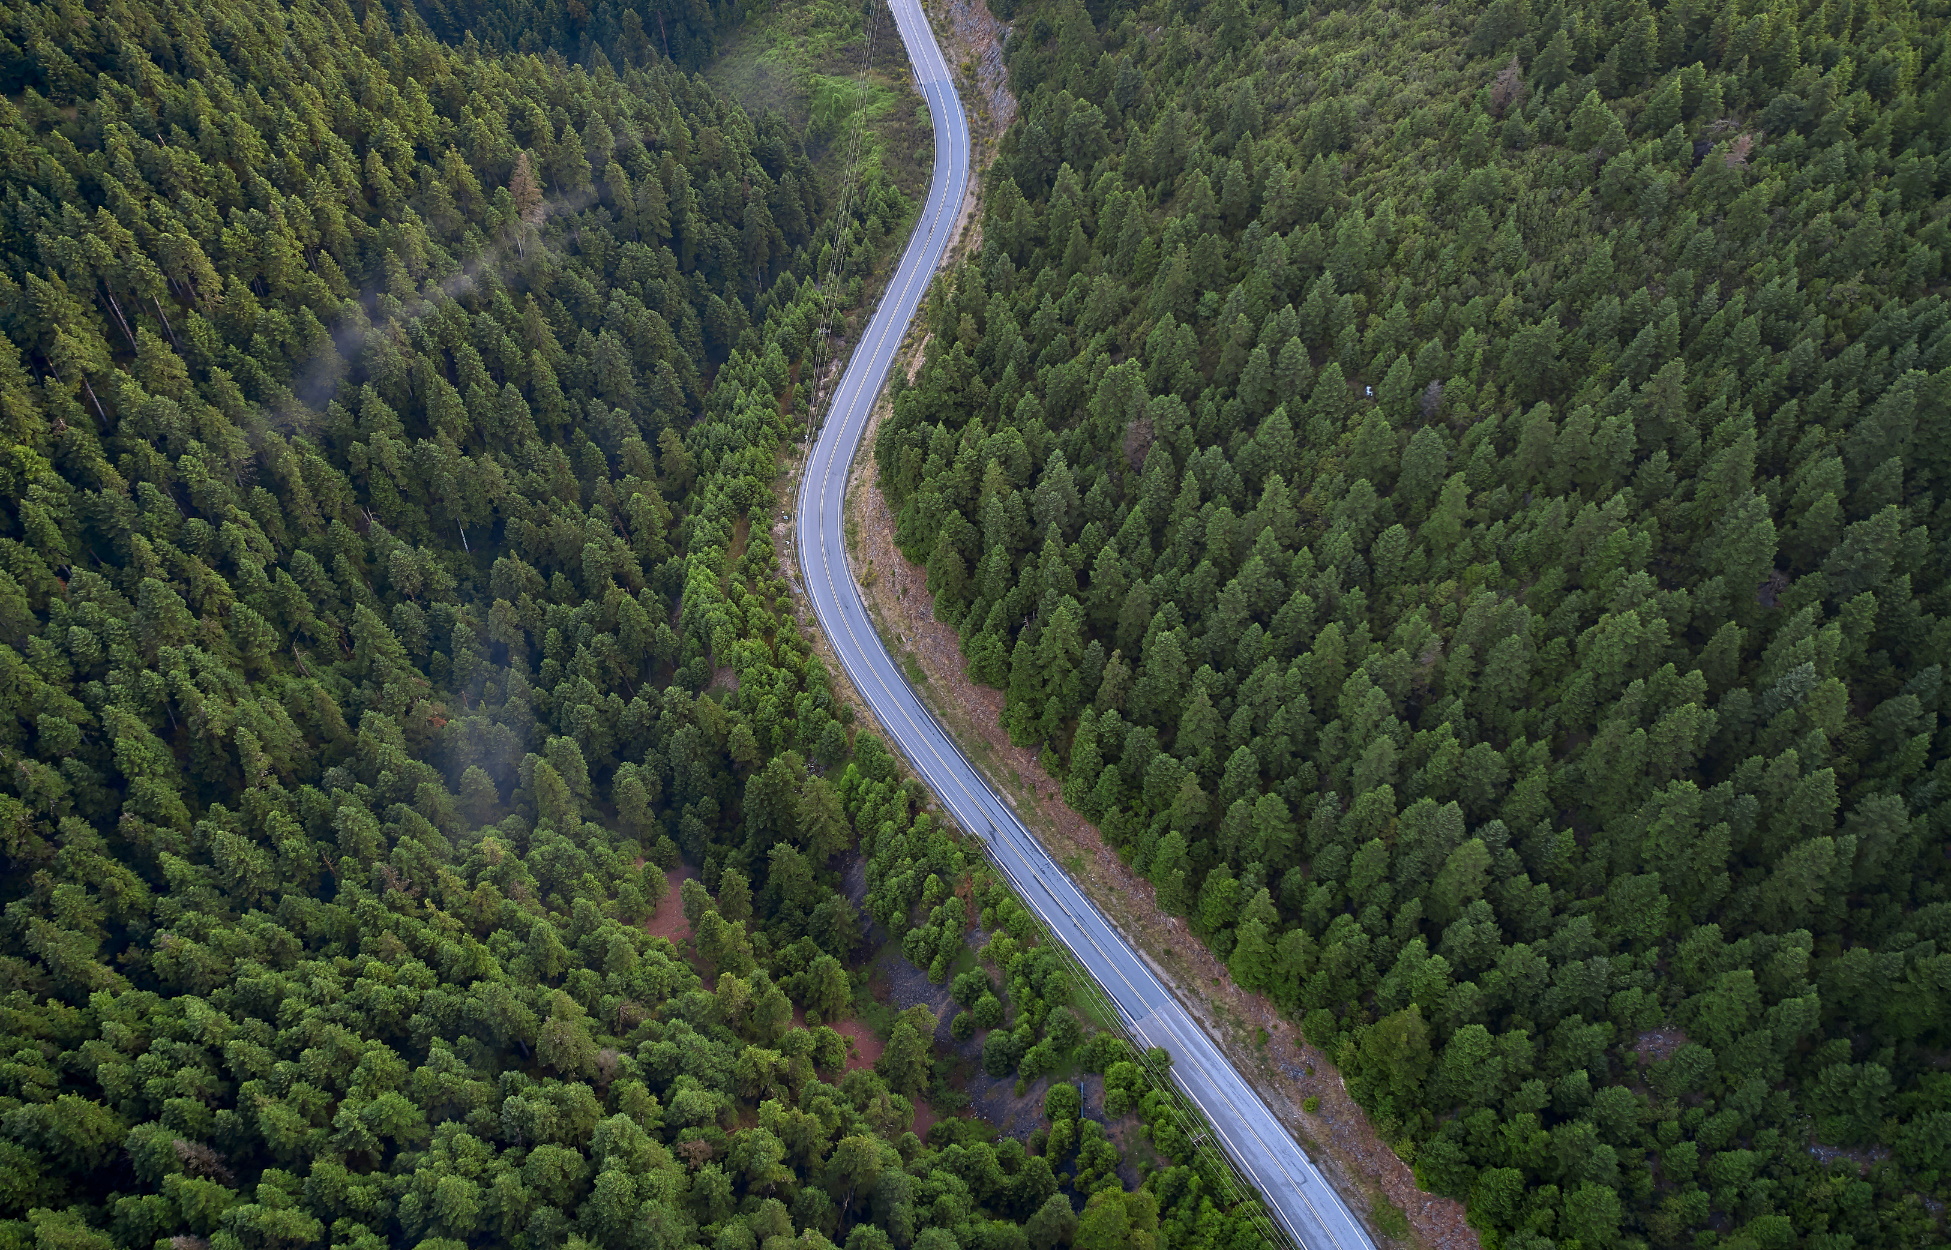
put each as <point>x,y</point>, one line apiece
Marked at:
<point>920,735</point>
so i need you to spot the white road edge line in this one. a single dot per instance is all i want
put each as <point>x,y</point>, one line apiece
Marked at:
<point>1204,1073</point>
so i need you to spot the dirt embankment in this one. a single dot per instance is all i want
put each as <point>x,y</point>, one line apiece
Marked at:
<point>973,40</point>
<point>1339,1130</point>
<point>1285,1069</point>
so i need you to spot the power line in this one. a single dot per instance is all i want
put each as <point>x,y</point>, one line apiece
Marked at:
<point>1209,1161</point>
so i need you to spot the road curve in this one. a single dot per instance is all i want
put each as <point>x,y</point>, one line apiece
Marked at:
<point>1300,1198</point>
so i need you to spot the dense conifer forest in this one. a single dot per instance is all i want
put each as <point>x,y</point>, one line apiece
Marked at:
<point>390,405</point>
<point>1460,493</point>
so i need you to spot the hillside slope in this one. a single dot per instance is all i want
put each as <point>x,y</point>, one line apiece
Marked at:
<point>382,422</point>
<point>1461,494</point>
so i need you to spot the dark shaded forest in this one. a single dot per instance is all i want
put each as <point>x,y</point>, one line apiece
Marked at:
<point>1459,494</point>
<point>686,32</point>
<point>391,415</point>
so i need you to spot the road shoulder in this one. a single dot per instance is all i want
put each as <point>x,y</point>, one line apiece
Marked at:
<point>1283,1067</point>
<point>1286,1071</point>
<point>1268,1050</point>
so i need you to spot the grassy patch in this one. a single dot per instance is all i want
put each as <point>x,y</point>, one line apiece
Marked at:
<point>878,1016</point>
<point>804,60</point>
<point>1094,1007</point>
<point>1389,1218</point>
<point>1142,1156</point>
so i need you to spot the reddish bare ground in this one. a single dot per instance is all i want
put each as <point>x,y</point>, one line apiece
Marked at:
<point>865,1050</point>
<point>669,921</point>
<point>925,1118</point>
<point>866,1047</point>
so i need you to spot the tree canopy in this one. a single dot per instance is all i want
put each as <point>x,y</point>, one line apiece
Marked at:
<point>390,413</point>
<point>1460,492</point>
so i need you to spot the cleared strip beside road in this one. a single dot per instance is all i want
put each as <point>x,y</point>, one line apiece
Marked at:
<point>1296,1193</point>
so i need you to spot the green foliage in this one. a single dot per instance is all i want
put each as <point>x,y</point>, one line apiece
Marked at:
<point>1471,478</point>
<point>386,408</point>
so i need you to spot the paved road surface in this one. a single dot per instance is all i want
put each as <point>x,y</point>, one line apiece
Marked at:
<point>1309,1209</point>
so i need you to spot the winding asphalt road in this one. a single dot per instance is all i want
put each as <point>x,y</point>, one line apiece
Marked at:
<point>1305,1205</point>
